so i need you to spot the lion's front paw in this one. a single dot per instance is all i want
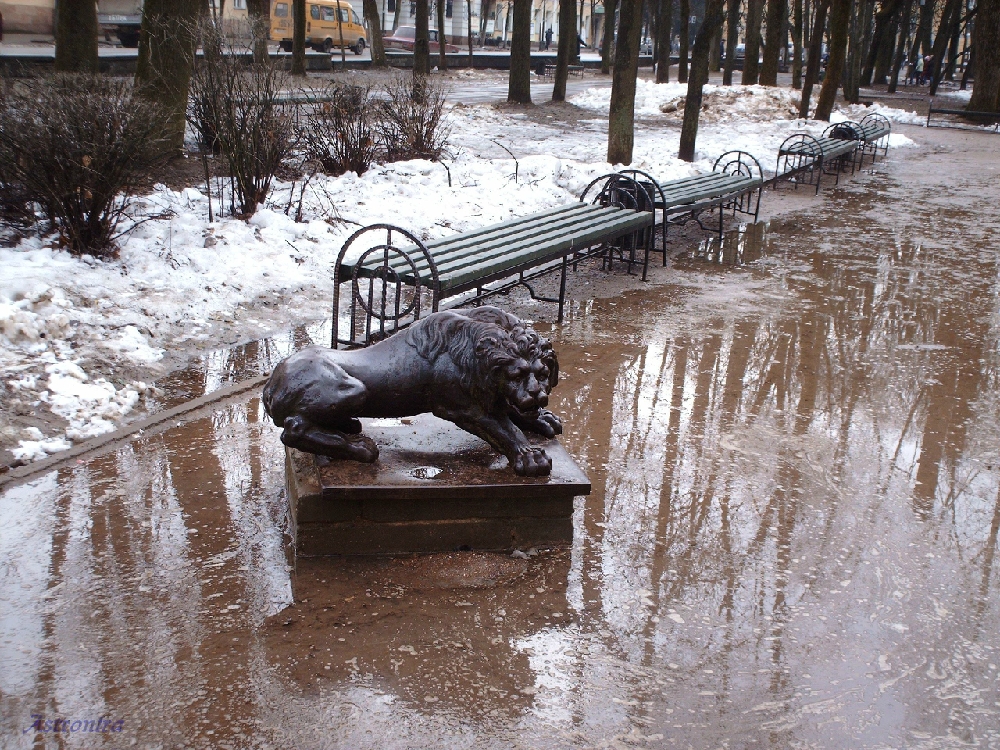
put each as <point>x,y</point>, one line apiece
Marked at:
<point>532,462</point>
<point>361,448</point>
<point>549,424</point>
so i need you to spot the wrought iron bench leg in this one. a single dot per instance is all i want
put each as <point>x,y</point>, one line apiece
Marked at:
<point>562,289</point>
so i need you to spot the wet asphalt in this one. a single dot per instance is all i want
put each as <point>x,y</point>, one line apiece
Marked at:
<point>794,444</point>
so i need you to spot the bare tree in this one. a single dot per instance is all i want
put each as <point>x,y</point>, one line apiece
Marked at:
<point>840,18</point>
<point>949,15</point>
<point>395,15</point>
<point>519,83</point>
<point>815,51</point>
<point>797,25</point>
<point>567,46</point>
<point>76,36</point>
<point>881,37</point>
<point>751,59</point>
<point>775,41</point>
<point>666,12</point>
<point>699,76</point>
<point>259,14</point>
<point>685,30</point>
<point>442,39</point>
<point>375,34</point>
<point>986,48</point>
<point>166,59</point>
<point>732,39</point>
<point>298,37</point>
<point>621,115</point>
<point>608,43</point>
<point>897,61</point>
<point>421,44</point>
<point>468,18</point>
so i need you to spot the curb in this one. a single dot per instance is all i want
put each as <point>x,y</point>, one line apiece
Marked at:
<point>136,428</point>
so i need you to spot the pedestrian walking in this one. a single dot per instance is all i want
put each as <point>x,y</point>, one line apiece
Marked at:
<point>911,72</point>
<point>920,70</point>
<point>548,37</point>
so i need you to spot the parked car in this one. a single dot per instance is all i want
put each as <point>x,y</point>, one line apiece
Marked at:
<point>323,27</point>
<point>405,36</point>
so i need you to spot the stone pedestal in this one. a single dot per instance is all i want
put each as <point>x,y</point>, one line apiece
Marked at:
<point>435,488</point>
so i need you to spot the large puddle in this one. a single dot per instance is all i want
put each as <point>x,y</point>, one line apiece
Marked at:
<point>795,455</point>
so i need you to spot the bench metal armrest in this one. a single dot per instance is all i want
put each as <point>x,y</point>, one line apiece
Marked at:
<point>844,131</point>
<point>388,267</point>
<point>741,163</point>
<point>619,190</point>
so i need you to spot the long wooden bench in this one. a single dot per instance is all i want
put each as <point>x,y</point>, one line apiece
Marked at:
<point>805,154</point>
<point>986,117</point>
<point>394,276</point>
<point>736,182</point>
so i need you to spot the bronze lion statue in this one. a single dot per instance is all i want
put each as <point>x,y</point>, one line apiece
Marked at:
<point>483,369</point>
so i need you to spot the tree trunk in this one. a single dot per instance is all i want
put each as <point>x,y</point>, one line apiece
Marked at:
<point>421,43</point>
<point>699,76</point>
<point>815,52</point>
<point>395,15</point>
<point>897,61</point>
<point>882,50</point>
<point>775,42</point>
<point>567,45</point>
<point>685,29</point>
<point>881,36</point>
<point>852,70</point>
<point>797,26</point>
<point>666,11</point>
<point>923,36</point>
<point>751,60</point>
<point>259,15</point>
<point>608,43</point>
<point>468,18</point>
<point>952,9</point>
<point>970,69</point>
<point>714,53</point>
<point>375,34</point>
<point>732,39</point>
<point>519,83</point>
<point>840,18</point>
<point>298,37</point>
<point>949,70</point>
<point>442,39</point>
<point>986,48</point>
<point>76,36</point>
<point>166,58</point>
<point>621,115</point>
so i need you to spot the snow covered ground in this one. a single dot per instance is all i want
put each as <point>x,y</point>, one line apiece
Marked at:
<point>81,340</point>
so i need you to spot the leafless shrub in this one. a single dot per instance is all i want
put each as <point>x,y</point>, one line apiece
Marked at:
<point>411,124</point>
<point>340,133</point>
<point>78,146</point>
<point>236,109</point>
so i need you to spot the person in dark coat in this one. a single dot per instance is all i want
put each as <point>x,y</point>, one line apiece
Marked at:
<point>548,37</point>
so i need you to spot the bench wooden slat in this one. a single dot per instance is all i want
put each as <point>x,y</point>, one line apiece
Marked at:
<point>552,248</point>
<point>502,243</point>
<point>711,189</point>
<point>491,250</point>
<point>829,147</point>
<point>522,223</point>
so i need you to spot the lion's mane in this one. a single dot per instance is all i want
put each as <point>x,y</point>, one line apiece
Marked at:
<point>481,342</point>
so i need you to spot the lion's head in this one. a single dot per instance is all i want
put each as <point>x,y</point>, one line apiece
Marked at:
<point>501,360</point>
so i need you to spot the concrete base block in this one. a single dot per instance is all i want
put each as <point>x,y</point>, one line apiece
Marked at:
<point>435,488</point>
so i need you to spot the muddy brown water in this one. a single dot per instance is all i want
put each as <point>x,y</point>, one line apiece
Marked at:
<point>794,445</point>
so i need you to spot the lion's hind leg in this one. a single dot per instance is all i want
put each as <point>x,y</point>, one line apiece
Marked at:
<point>303,435</point>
